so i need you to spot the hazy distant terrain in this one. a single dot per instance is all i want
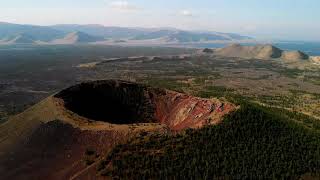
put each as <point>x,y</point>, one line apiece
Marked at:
<point>65,34</point>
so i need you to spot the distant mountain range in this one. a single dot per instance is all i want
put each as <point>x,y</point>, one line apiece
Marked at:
<point>72,34</point>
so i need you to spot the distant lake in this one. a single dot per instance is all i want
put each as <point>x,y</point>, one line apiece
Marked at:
<point>311,48</point>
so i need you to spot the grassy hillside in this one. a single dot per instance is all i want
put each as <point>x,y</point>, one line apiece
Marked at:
<point>254,142</point>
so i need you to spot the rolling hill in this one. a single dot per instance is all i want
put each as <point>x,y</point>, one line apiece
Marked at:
<point>169,34</point>
<point>260,52</point>
<point>64,34</point>
<point>99,30</point>
<point>185,36</point>
<point>18,39</point>
<point>77,37</point>
<point>41,33</point>
<point>294,55</point>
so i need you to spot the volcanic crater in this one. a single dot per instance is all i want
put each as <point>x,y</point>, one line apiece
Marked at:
<point>110,101</point>
<point>49,139</point>
<point>121,102</point>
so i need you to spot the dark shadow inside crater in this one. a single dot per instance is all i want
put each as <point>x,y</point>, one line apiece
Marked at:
<point>110,101</point>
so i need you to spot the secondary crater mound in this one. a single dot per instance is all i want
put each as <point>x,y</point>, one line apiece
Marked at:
<point>121,102</point>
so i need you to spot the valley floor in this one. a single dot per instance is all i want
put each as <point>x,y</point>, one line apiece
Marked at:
<point>26,78</point>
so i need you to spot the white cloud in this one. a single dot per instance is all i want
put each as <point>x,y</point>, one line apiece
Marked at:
<point>123,6</point>
<point>187,13</point>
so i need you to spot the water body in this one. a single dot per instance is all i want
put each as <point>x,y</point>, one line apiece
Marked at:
<point>311,48</point>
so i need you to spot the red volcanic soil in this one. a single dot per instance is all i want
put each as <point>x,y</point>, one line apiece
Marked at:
<point>180,111</point>
<point>50,140</point>
<point>120,102</point>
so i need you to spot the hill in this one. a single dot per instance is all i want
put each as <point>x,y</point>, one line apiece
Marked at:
<point>99,30</point>
<point>169,34</point>
<point>187,36</point>
<point>254,142</point>
<point>117,129</point>
<point>61,33</point>
<point>95,116</point>
<point>41,33</point>
<point>77,37</point>
<point>294,56</point>
<point>18,39</point>
<point>260,52</point>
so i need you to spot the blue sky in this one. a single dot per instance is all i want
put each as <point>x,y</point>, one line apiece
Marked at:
<point>270,19</point>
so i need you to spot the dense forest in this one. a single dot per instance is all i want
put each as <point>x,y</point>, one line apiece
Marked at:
<point>253,142</point>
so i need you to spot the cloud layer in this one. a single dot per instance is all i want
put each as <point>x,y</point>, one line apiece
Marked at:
<point>187,13</point>
<point>123,6</point>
